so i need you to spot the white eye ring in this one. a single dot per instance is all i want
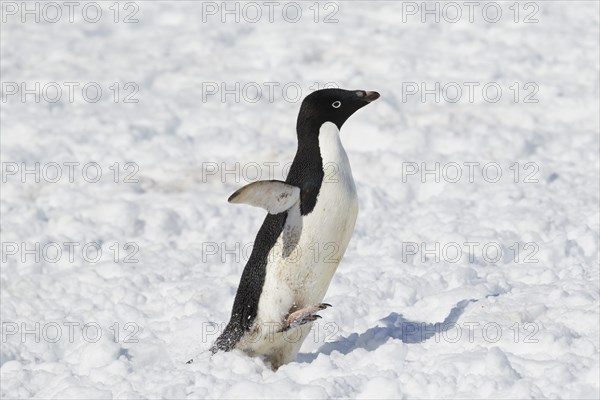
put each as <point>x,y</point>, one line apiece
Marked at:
<point>336,104</point>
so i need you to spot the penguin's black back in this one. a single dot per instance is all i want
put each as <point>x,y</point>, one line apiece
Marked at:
<point>245,305</point>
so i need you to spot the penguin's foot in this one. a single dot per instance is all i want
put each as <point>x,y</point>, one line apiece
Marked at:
<point>303,316</point>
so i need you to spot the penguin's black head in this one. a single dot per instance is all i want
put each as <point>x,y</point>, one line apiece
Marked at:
<point>332,105</point>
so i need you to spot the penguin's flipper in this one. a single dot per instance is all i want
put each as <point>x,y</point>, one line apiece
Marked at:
<point>274,196</point>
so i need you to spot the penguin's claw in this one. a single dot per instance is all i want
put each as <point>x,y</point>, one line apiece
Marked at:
<point>303,316</point>
<point>301,321</point>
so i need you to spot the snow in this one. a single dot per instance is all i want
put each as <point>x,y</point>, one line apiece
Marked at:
<point>404,324</point>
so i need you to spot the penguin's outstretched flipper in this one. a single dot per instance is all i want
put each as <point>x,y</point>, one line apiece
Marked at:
<point>274,196</point>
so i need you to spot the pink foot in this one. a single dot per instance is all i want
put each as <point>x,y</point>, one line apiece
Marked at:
<point>303,316</point>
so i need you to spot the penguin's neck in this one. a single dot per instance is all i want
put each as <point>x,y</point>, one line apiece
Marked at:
<point>320,150</point>
<point>308,164</point>
<point>330,146</point>
<point>306,171</point>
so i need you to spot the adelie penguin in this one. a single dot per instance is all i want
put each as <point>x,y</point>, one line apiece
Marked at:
<point>298,248</point>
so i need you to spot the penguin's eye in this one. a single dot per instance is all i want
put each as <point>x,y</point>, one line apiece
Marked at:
<point>336,104</point>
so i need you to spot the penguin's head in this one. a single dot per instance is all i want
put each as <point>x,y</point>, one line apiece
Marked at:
<point>332,105</point>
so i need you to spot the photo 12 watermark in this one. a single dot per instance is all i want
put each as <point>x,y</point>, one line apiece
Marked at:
<point>470,252</point>
<point>326,253</point>
<point>69,172</point>
<point>469,331</point>
<point>254,92</point>
<point>470,92</point>
<point>53,12</point>
<point>69,92</point>
<point>71,252</point>
<point>253,12</point>
<point>452,12</point>
<point>470,172</point>
<point>320,332</point>
<point>68,332</point>
<point>241,173</point>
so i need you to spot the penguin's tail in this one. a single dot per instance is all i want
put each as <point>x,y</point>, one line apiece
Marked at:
<point>225,342</point>
<point>230,337</point>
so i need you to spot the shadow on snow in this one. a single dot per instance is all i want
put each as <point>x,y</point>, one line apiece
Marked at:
<point>395,327</point>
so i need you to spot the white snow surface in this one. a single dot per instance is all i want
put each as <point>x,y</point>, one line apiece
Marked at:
<point>401,326</point>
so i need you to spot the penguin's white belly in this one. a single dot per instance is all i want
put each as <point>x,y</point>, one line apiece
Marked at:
<point>307,253</point>
<point>305,261</point>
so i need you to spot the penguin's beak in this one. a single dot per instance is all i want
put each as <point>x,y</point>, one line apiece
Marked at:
<point>371,96</point>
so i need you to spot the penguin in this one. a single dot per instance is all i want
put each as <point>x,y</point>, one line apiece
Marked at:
<point>310,220</point>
